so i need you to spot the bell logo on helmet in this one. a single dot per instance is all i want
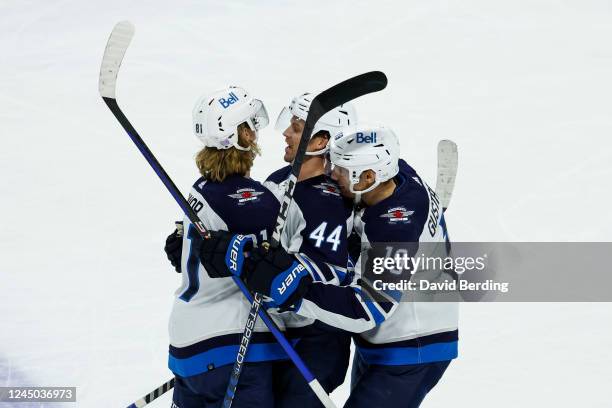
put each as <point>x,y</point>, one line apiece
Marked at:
<point>363,138</point>
<point>226,102</point>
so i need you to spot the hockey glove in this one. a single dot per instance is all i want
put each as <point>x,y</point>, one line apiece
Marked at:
<point>223,254</point>
<point>277,275</point>
<point>174,246</point>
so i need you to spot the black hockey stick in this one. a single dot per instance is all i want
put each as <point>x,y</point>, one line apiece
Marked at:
<point>111,62</point>
<point>321,104</point>
<point>156,393</point>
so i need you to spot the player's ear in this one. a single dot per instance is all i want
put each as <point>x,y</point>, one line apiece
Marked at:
<point>319,141</point>
<point>369,177</point>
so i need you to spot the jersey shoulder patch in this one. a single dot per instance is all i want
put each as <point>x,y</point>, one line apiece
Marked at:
<point>237,199</point>
<point>402,216</point>
<point>327,188</point>
<point>321,185</point>
<point>323,194</point>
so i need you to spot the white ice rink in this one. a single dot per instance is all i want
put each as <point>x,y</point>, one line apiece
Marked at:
<point>523,87</point>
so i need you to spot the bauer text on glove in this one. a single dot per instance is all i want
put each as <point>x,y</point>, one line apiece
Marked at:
<point>223,254</point>
<point>277,275</point>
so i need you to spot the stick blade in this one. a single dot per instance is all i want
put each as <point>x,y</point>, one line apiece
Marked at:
<point>448,159</point>
<point>327,100</point>
<point>117,45</point>
<point>348,90</point>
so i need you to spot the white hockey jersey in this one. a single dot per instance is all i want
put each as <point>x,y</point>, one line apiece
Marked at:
<point>393,333</point>
<point>209,315</point>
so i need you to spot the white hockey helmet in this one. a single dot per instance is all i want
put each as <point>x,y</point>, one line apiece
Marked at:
<point>332,122</point>
<point>362,147</point>
<point>216,117</point>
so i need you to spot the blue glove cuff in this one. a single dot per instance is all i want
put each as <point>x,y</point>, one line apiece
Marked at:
<point>285,283</point>
<point>234,257</point>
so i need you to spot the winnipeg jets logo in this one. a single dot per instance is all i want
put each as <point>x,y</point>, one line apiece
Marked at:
<point>397,215</point>
<point>328,188</point>
<point>245,195</point>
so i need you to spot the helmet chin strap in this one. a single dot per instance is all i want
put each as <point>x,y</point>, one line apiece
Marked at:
<point>358,194</point>
<point>236,144</point>
<point>244,149</point>
<point>320,152</point>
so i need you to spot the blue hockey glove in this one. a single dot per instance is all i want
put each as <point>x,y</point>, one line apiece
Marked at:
<point>223,253</point>
<point>277,275</point>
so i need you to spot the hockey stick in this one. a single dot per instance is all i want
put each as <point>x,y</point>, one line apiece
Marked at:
<point>445,182</point>
<point>447,171</point>
<point>321,104</point>
<point>115,50</point>
<point>111,62</point>
<point>156,393</point>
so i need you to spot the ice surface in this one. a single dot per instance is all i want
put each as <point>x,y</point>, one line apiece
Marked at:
<point>523,87</point>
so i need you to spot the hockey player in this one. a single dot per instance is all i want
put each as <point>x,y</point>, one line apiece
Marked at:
<point>318,223</point>
<point>405,347</point>
<point>315,232</point>
<point>209,315</point>
<point>399,361</point>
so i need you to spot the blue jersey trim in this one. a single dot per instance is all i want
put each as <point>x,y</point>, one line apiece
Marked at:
<point>224,355</point>
<point>340,273</point>
<point>314,274</point>
<point>193,264</point>
<point>378,317</point>
<point>410,355</point>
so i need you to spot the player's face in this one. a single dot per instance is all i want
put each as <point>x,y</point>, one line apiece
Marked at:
<point>292,135</point>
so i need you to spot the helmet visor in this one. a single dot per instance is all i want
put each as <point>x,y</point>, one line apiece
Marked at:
<point>287,119</point>
<point>284,119</point>
<point>259,119</point>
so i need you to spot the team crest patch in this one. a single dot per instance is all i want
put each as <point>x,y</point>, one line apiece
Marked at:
<point>328,188</point>
<point>397,215</point>
<point>245,195</point>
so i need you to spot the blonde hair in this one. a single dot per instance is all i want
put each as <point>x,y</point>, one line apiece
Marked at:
<point>218,164</point>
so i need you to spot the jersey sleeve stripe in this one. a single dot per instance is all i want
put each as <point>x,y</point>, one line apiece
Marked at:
<point>324,272</point>
<point>378,317</point>
<point>314,272</point>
